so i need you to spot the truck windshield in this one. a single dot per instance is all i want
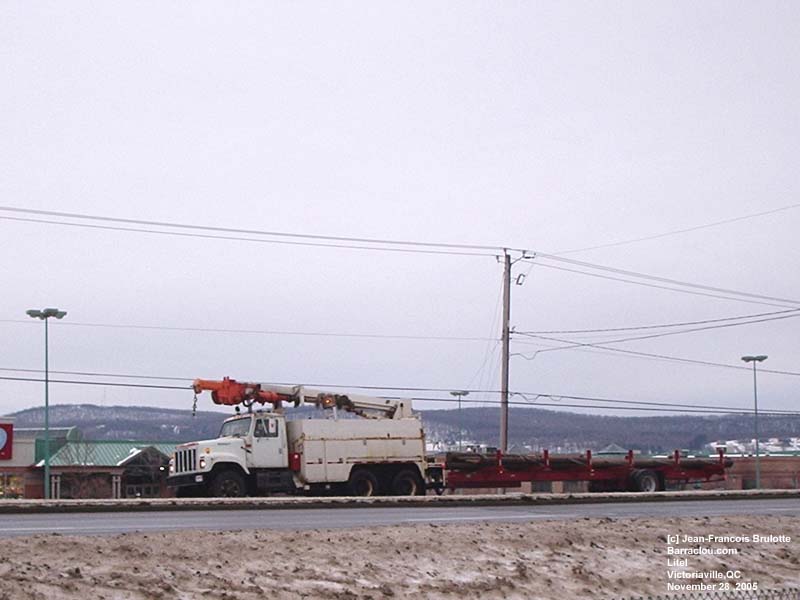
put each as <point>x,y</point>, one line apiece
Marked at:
<point>237,428</point>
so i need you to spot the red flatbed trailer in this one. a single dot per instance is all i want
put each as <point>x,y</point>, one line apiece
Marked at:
<point>605,473</point>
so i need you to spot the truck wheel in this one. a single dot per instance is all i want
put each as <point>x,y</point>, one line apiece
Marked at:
<point>646,481</point>
<point>408,483</point>
<point>362,483</point>
<point>228,484</point>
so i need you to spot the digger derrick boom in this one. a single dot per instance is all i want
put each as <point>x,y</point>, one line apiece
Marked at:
<point>231,392</point>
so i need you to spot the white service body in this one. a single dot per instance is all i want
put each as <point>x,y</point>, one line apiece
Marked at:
<point>329,448</point>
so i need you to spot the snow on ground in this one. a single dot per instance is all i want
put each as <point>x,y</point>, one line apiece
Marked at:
<point>587,558</point>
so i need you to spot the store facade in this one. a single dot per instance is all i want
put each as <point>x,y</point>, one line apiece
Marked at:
<point>80,468</point>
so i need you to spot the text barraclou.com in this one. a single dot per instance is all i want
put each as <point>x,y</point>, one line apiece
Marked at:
<point>702,551</point>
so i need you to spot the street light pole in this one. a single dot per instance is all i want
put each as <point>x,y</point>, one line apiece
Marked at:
<point>44,315</point>
<point>755,360</point>
<point>459,395</point>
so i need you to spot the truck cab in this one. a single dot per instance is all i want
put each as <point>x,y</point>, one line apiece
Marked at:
<point>250,454</point>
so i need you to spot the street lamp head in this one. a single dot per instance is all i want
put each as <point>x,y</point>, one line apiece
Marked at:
<point>46,313</point>
<point>458,393</point>
<point>759,358</point>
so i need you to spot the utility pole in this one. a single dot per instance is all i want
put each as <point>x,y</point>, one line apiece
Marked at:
<point>506,340</point>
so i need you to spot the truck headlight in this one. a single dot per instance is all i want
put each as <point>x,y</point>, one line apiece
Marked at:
<point>202,463</point>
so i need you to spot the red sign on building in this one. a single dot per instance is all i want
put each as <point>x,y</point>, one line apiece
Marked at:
<point>6,440</point>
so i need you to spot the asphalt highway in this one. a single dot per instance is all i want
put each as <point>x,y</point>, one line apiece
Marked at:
<point>104,523</point>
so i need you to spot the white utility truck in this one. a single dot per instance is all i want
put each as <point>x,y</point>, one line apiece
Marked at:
<point>261,452</point>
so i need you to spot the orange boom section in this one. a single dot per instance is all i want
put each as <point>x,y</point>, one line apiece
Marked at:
<point>230,392</point>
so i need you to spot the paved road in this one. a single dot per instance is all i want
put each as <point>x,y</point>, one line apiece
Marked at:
<point>126,522</point>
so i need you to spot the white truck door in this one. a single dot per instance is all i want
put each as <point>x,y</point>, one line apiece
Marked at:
<point>269,443</point>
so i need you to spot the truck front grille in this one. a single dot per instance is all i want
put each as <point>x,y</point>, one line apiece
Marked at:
<point>185,460</point>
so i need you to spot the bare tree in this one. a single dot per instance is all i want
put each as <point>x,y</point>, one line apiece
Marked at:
<point>83,481</point>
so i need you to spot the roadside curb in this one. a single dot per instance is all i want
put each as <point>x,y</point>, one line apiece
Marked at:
<point>512,499</point>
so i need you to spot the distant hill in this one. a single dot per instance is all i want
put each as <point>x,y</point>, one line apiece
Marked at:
<point>570,432</point>
<point>535,428</point>
<point>145,423</point>
<point>127,422</point>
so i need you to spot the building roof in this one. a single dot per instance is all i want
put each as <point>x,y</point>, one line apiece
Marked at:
<point>104,454</point>
<point>64,433</point>
<point>612,449</point>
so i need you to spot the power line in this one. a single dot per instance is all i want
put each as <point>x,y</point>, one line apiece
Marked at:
<point>101,383</point>
<point>282,383</point>
<point>448,400</point>
<point>679,231</point>
<point>636,402</point>
<point>589,350</point>
<point>659,279</point>
<point>661,356</point>
<point>94,374</point>
<point>668,333</point>
<point>660,287</point>
<point>490,373</point>
<point>663,325</point>
<point>263,331</point>
<point>661,405</point>
<point>490,348</point>
<point>281,234</point>
<point>292,238</point>
<point>610,352</point>
<point>571,405</point>
<point>176,225</point>
<point>246,239</point>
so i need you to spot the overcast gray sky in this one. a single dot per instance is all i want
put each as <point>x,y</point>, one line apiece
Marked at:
<point>546,126</point>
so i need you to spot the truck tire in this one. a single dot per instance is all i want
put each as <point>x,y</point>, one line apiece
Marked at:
<point>646,481</point>
<point>408,483</point>
<point>228,484</point>
<point>362,483</point>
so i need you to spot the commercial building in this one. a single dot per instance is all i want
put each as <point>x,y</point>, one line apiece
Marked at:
<point>778,471</point>
<point>80,468</point>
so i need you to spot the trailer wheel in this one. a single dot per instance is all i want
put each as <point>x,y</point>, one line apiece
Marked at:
<point>646,481</point>
<point>362,483</point>
<point>228,484</point>
<point>408,483</point>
